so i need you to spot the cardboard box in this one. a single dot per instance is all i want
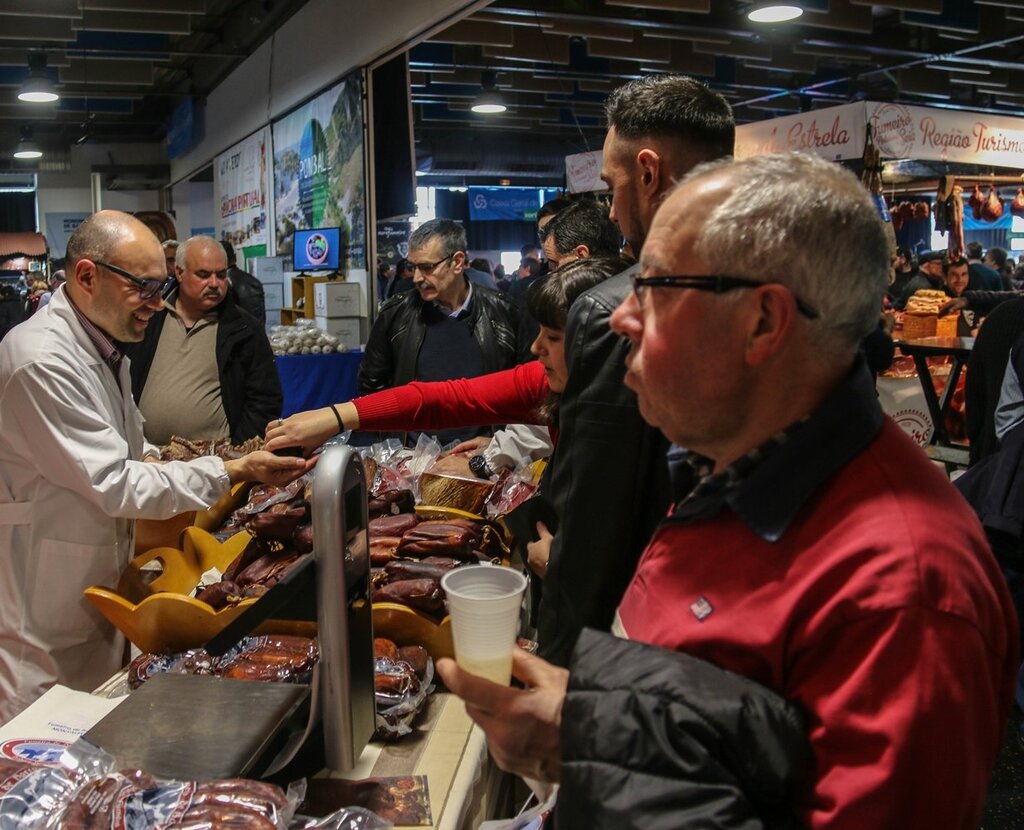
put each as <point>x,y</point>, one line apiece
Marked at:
<point>339,299</point>
<point>350,331</point>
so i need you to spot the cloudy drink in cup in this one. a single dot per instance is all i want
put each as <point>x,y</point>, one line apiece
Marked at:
<point>484,602</point>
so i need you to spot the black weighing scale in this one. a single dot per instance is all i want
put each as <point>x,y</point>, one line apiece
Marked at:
<point>194,727</point>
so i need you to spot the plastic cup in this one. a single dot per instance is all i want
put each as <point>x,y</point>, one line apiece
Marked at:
<point>484,602</point>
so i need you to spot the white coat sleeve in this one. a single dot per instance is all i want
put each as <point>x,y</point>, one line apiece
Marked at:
<point>517,444</point>
<point>67,438</point>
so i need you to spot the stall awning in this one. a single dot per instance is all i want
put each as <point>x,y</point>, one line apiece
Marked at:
<point>22,244</point>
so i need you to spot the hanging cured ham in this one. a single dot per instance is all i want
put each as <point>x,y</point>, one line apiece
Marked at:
<point>976,202</point>
<point>1017,205</point>
<point>993,207</point>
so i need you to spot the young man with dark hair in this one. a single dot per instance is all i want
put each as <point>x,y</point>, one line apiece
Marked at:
<point>609,476</point>
<point>583,229</point>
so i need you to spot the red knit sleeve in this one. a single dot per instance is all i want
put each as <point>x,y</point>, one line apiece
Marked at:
<point>510,396</point>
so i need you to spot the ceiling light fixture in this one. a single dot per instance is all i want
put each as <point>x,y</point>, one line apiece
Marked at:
<point>28,149</point>
<point>38,87</point>
<point>489,101</point>
<point>773,13</point>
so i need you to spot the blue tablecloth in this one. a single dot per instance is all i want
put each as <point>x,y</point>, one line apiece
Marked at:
<point>310,381</point>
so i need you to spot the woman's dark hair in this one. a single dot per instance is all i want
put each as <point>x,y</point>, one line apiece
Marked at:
<point>549,298</point>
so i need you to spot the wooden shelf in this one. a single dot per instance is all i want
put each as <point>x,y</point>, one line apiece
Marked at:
<point>302,286</point>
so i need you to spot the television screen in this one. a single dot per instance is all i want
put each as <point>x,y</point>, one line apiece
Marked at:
<point>318,249</point>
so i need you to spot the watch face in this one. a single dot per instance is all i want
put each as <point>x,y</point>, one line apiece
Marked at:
<point>478,464</point>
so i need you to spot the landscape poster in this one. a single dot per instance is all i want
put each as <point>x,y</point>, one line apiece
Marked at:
<point>319,171</point>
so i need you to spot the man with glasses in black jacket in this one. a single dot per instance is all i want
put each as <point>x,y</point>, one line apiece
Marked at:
<point>447,328</point>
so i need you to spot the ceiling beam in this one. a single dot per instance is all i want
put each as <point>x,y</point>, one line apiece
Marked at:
<point>137,22</point>
<point>648,50</point>
<point>700,6</point>
<point>476,32</point>
<point>36,8</point>
<point>164,6</point>
<point>119,72</point>
<point>37,29</point>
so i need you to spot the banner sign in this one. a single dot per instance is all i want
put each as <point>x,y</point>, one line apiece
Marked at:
<point>242,187</point>
<point>835,133</point>
<point>900,132</point>
<point>947,135</point>
<point>520,204</point>
<point>583,172</point>
<point>59,227</point>
<point>319,179</point>
<point>393,241</point>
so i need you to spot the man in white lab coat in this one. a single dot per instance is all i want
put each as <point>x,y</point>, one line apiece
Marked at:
<point>72,477</point>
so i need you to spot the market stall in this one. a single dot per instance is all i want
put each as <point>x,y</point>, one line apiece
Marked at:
<point>273,671</point>
<point>956,171</point>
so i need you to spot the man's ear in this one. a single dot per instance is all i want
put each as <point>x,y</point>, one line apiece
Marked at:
<point>86,276</point>
<point>650,170</point>
<point>581,251</point>
<point>771,320</point>
<point>459,261</point>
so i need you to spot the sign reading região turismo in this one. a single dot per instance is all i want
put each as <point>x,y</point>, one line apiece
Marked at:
<point>834,133</point>
<point>947,135</point>
<point>243,184</point>
<point>899,132</point>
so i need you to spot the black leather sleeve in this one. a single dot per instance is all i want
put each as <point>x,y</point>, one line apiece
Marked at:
<point>377,369</point>
<point>609,480</point>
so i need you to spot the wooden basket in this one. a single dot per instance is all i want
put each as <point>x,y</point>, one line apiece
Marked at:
<point>160,615</point>
<point>916,326</point>
<point>166,533</point>
<point>947,326</point>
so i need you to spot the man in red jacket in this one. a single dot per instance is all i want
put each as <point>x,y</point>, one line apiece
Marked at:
<point>820,554</point>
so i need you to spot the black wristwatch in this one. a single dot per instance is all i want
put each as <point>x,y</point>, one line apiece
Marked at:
<point>479,468</point>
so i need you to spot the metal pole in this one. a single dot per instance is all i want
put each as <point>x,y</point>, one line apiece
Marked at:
<point>96,187</point>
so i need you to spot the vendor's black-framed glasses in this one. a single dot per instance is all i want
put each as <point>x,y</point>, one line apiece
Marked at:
<point>148,287</point>
<point>716,284</point>
<point>427,268</point>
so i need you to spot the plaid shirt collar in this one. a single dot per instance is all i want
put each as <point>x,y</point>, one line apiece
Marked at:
<point>716,486</point>
<point>109,353</point>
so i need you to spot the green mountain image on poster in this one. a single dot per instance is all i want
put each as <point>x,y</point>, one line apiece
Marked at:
<point>313,174</point>
<point>319,177</point>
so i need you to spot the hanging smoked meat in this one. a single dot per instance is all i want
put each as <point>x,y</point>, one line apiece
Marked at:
<point>942,217</point>
<point>993,207</point>
<point>955,217</point>
<point>1017,205</point>
<point>921,211</point>
<point>976,202</point>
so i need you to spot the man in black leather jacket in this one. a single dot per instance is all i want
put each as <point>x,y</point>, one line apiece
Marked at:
<point>609,475</point>
<point>446,328</point>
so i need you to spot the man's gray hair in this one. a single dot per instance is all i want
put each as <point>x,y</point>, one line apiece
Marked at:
<point>776,203</point>
<point>181,254</point>
<point>451,235</point>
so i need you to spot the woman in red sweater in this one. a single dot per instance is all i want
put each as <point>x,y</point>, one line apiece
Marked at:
<point>527,393</point>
